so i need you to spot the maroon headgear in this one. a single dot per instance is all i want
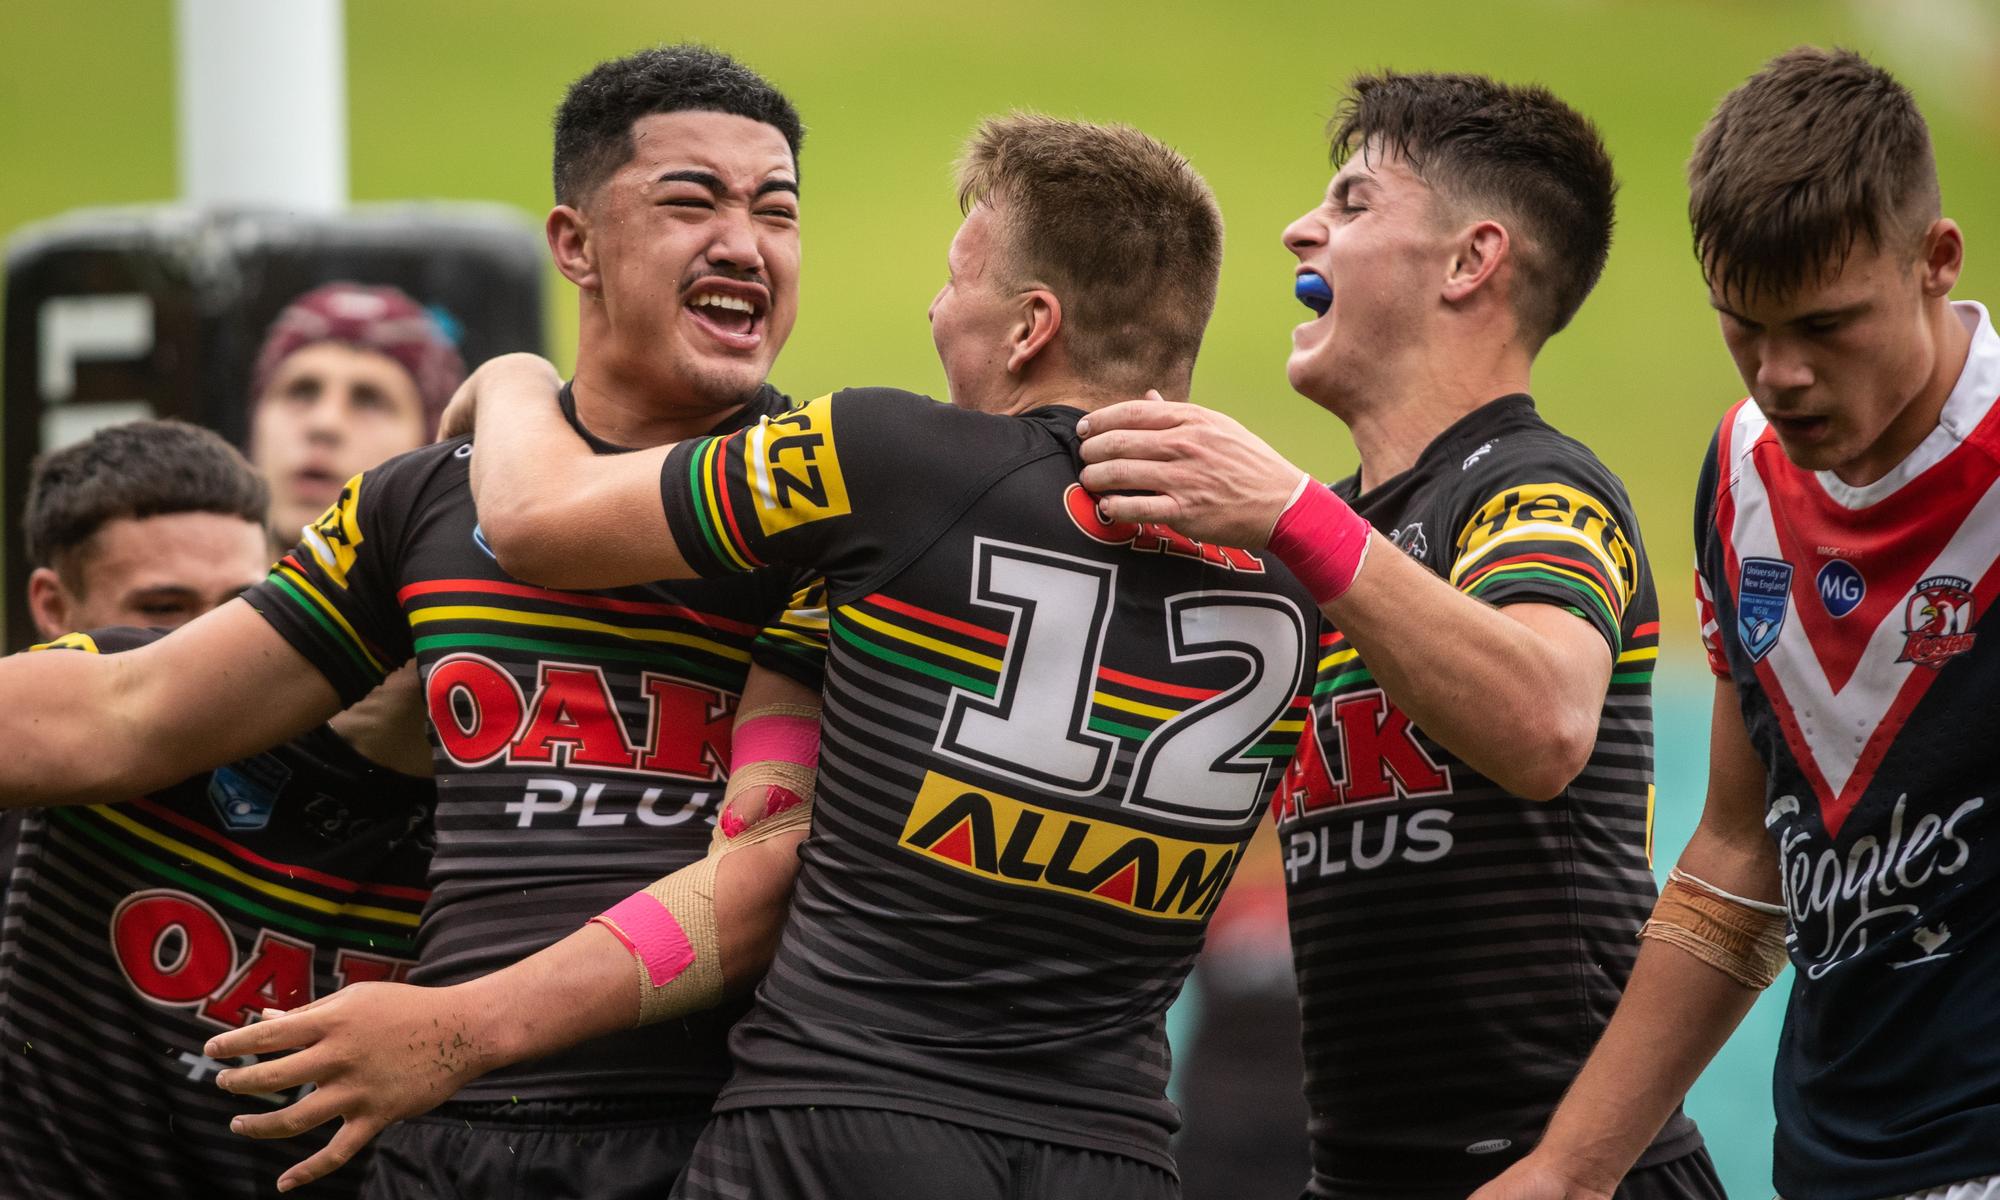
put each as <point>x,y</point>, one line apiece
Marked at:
<point>382,319</point>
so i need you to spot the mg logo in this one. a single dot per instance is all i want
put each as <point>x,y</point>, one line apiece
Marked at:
<point>1840,587</point>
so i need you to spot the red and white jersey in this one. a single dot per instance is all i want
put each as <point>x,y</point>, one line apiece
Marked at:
<point>1855,624</point>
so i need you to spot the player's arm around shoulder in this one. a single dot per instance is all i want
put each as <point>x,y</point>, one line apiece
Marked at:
<point>86,728</point>
<point>554,512</point>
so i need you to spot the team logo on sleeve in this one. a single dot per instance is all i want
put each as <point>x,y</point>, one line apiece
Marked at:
<point>793,469</point>
<point>1937,623</point>
<point>335,538</point>
<point>1763,597</point>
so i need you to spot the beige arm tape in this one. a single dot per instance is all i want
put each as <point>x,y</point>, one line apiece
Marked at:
<point>689,893</point>
<point>1744,939</point>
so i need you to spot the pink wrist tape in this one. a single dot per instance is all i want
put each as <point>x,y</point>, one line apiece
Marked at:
<point>777,798</point>
<point>776,739</point>
<point>650,932</point>
<point>1321,540</point>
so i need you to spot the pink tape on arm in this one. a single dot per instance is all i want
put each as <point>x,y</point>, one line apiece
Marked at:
<point>776,739</point>
<point>650,932</point>
<point>1321,540</point>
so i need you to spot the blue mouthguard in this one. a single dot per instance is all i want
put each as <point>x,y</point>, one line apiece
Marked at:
<point>1313,292</point>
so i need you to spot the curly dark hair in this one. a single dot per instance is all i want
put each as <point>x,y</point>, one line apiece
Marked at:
<point>594,121</point>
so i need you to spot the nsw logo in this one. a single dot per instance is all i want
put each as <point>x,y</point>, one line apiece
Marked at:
<point>1763,596</point>
<point>1840,587</point>
<point>244,793</point>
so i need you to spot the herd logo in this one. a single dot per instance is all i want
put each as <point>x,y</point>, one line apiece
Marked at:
<point>176,951</point>
<point>1538,511</point>
<point>1378,753</point>
<point>1764,595</point>
<point>793,468</point>
<point>1150,537</point>
<point>1937,623</point>
<point>572,720</point>
<point>335,538</point>
<point>1012,842</point>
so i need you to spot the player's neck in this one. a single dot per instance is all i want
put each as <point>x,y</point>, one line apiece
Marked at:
<point>640,413</point>
<point>1951,345</point>
<point>1068,392</point>
<point>1393,425</point>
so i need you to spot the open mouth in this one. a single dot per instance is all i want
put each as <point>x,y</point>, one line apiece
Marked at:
<point>316,483</point>
<point>1800,429</point>
<point>731,312</point>
<point>1313,291</point>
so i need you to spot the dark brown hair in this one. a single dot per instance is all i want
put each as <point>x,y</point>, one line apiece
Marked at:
<point>1818,149</point>
<point>1117,225</point>
<point>132,471</point>
<point>1536,163</point>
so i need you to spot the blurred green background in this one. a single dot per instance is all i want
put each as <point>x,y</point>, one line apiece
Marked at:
<point>452,100</point>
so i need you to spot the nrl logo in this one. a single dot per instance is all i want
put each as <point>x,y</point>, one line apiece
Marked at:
<point>1938,621</point>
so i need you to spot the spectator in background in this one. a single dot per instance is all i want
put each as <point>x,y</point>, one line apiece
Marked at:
<point>348,377</point>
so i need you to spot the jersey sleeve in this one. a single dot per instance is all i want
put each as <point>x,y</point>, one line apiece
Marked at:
<point>1708,566</point>
<point>794,642</point>
<point>837,486</point>
<point>114,640</point>
<point>1550,528</point>
<point>333,597</point>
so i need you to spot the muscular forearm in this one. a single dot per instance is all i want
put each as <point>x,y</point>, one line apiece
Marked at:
<point>1517,705</point>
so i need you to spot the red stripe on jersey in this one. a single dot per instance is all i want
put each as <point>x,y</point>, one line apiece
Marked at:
<point>721,485</point>
<point>523,591</point>
<point>938,619</point>
<point>335,882</point>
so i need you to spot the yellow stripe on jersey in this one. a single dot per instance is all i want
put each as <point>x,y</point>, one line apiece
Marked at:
<point>69,641</point>
<point>304,585</point>
<point>852,613</point>
<point>1549,511</point>
<point>1337,657</point>
<point>509,616</point>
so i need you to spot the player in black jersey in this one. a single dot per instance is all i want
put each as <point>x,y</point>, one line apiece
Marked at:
<point>1847,533</point>
<point>1046,738</point>
<point>1466,825</point>
<point>581,739</point>
<point>135,931</point>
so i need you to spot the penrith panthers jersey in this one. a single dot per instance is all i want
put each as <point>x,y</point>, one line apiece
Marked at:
<point>135,932</point>
<point>581,738</point>
<point>1459,948</point>
<point>1046,739</point>
<point>1856,624</point>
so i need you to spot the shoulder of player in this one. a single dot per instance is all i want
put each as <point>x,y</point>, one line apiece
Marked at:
<point>115,639</point>
<point>414,472</point>
<point>1534,455</point>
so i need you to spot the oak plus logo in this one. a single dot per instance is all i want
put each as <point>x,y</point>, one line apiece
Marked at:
<point>1368,752</point>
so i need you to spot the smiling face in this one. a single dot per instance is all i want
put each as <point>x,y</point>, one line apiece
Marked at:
<point>1379,245</point>
<point>1846,369</point>
<point>329,412</point>
<point>692,251</point>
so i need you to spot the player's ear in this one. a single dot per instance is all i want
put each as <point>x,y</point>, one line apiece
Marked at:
<point>1476,257</point>
<point>1944,257</point>
<point>49,604</point>
<point>570,245</point>
<point>1039,319</point>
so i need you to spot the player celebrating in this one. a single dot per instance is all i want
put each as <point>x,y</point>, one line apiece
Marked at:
<point>1047,735</point>
<point>581,740</point>
<point>134,932</point>
<point>1846,524</point>
<point>1465,825</point>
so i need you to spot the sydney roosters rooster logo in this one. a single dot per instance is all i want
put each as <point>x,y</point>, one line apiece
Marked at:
<point>1938,621</point>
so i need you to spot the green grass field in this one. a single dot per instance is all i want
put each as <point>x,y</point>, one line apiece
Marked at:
<point>452,100</point>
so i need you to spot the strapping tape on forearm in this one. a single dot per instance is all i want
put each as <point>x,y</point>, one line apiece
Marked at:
<point>671,928</point>
<point>1744,939</point>
<point>1320,540</point>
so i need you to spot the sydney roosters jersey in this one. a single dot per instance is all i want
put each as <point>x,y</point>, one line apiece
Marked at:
<point>1856,623</point>
<point>135,932</point>
<point>581,738</point>
<point>1459,948</point>
<point>1046,739</point>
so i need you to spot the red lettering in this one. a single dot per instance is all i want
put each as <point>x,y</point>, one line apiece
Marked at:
<point>173,948</point>
<point>1149,537</point>
<point>278,975</point>
<point>574,709</point>
<point>1380,752</point>
<point>1082,509</point>
<point>475,706</point>
<point>690,726</point>
<point>354,966</point>
<point>1164,538</point>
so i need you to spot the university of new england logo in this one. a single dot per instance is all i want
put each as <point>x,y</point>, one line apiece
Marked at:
<point>1938,621</point>
<point>1763,596</point>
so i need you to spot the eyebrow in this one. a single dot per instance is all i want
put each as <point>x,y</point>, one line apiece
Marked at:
<point>713,182</point>
<point>164,591</point>
<point>1818,314</point>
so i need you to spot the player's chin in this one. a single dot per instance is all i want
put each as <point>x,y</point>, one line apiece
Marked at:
<point>1309,370</point>
<point>726,381</point>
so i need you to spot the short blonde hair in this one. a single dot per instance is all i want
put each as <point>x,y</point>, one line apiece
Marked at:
<point>1115,223</point>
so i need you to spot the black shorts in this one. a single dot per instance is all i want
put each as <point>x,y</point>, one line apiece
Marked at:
<point>537,1150</point>
<point>873,1154</point>
<point>1689,1177</point>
